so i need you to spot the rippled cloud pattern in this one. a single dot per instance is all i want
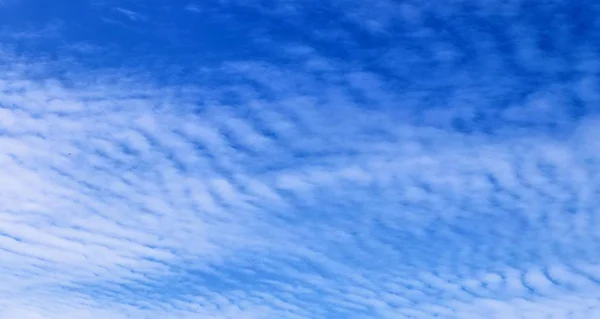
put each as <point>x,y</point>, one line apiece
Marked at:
<point>299,159</point>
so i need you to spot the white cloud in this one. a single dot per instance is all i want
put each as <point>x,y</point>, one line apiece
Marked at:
<point>311,190</point>
<point>132,15</point>
<point>193,8</point>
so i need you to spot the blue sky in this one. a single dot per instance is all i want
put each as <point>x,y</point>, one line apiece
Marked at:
<point>299,159</point>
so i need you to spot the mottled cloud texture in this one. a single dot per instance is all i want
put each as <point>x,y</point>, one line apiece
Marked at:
<point>379,159</point>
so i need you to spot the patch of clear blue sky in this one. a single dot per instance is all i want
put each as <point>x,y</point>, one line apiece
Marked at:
<point>171,42</point>
<point>166,34</point>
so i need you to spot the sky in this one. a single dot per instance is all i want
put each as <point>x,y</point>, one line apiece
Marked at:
<point>292,159</point>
